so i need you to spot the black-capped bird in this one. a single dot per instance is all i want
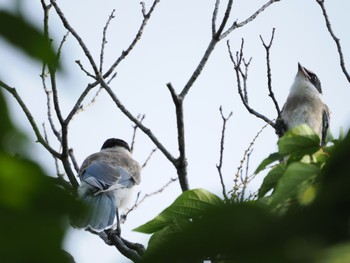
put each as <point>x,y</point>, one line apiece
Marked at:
<point>305,105</point>
<point>107,180</point>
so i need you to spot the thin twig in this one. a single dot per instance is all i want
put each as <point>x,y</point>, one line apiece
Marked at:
<point>74,160</point>
<point>58,172</point>
<point>239,74</point>
<point>148,158</point>
<point>104,39</point>
<point>131,117</point>
<point>269,78</point>
<point>335,38</point>
<point>84,70</point>
<point>236,24</point>
<point>146,196</point>
<point>239,168</point>
<point>140,118</point>
<point>146,17</point>
<point>76,36</point>
<point>214,17</point>
<point>222,143</point>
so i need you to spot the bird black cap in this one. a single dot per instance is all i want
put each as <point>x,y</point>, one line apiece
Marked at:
<point>113,142</point>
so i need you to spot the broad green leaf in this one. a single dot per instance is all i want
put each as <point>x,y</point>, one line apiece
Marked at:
<point>295,177</point>
<point>338,253</point>
<point>26,37</point>
<point>271,179</point>
<point>273,157</point>
<point>190,204</point>
<point>298,142</point>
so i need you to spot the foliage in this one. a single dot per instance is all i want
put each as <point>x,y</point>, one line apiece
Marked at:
<point>33,207</point>
<point>304,219</point>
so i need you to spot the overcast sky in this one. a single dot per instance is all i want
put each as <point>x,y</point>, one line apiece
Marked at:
<point>172,44</point>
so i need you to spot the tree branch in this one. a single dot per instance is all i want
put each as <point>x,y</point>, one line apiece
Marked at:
<point>222,143</point>
<point>236,24</point>
<point>31,120</point>
<point>146,17</point>
<point>181,162</point>
<point>76,36</point>
<point>269,78</point>
<point>104,39</point>
<point>128,114</point>
<point>239,74</point>
<point>334,37</point>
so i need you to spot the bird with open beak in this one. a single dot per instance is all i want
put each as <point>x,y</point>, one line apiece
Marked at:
<point>305,105</point>
<point>107,179</point>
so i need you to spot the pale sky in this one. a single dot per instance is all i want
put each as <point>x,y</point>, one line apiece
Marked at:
<point>172,44</point>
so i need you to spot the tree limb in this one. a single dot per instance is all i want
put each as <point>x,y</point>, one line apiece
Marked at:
<point>335,38</point>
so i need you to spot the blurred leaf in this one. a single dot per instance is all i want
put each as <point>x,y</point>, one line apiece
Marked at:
<point>33,210</point>
<point>188,205</point>
<point>299,141</point>
<point>236,233</point>
<point>273,157</point>
<point>26,37</point>
<point>271,179</point>
<point>336,254</point>
<point>295,176</point>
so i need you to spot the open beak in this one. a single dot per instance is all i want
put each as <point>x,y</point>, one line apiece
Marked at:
<point>303,71</point>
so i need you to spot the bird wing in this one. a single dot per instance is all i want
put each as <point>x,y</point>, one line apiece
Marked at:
<point>325,125</point>
<point>104,177</point>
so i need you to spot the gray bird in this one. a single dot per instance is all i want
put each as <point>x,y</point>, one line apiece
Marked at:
<point>305,105</point>
<point>107,178</point>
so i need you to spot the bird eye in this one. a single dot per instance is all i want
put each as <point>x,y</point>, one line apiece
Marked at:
<point>313,78</point>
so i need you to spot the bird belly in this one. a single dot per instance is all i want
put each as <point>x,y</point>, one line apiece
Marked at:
<point>304,114</point>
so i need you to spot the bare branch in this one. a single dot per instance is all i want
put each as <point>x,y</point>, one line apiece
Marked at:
<point>78,105</point>
<point>269,78</point>
<point>245,156</point>
<point>58,172</point>
<point>140,118</point>
<point>222,143</point>
<point>84,70</point>
<point>236,24</point>
<point>146,196</point>
<point>104,39</point>
<point>146,17</point>
<point>48,105</point>
<point>31,120</point>
<point>149,158</point>
<point>217,36</point>
<point>76,36</point>
<point>181,162</point>
<point>146,130</point>
<point>335,38</point>
<point>224,20</point>
<point>74,160</point>
<point>214,17</point>
<point>239,74</point>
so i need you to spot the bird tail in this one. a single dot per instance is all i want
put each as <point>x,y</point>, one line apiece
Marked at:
<point>101,211</point>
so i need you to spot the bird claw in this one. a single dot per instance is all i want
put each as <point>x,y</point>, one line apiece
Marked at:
<point>280,127</point>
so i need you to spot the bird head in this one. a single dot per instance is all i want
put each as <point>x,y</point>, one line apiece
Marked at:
<point>309,77</point>
<point>113,143</point>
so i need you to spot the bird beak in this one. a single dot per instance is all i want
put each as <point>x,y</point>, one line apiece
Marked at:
<point>302,71</point>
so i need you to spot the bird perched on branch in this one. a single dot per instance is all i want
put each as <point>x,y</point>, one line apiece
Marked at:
<point>107,178</point>
<point>305,105</point>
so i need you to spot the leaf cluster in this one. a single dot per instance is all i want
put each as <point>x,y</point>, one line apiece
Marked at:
<point>301,215</point>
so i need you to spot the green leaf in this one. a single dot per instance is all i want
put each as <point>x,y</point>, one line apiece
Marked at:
<point>295,177</point>
<point>299,141</point>
<point>273,157</point>
<point>271,179</point>
<point>190,204</point>
<point>26,37</point>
